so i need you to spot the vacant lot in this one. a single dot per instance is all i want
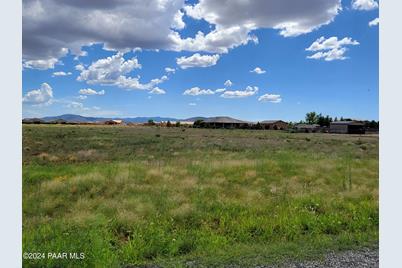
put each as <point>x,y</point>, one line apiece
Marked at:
<point>195,197</point>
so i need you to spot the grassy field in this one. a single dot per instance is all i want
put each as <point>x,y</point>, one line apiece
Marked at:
<point>195,197</point>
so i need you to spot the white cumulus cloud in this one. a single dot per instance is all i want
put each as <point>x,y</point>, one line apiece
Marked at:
<point>157,91</point>
<point>197,60</point>
<point>108,70</point>
<point>178,22</point>
<point>231,94</point>
<point>374,22</point>
<point>330,49</point>
<point>90,91</point>
<point>270,98</point>
<point>220,90</point>
<point>40,64</point>
<point>170,70</point>
<point>43,95</point>
<point>364,4</point>
<point>61,73</point>
<point>258,70</point>
<point>113,71</point>
<point>196,91</point>
<point>79,67</point>
<point>217,41</point>
<point>228,83</point>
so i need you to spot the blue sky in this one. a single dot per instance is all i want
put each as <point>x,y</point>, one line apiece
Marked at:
<point>345,83</point>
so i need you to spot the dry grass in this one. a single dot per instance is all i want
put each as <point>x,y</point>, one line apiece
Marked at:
<point>130,197</point>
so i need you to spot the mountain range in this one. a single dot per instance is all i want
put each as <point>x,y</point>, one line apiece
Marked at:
<point>87,119</point>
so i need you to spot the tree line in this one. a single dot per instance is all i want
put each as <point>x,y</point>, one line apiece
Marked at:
<point>325,121</point>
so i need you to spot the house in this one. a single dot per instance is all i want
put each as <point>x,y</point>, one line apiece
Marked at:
<point>274,124</point>
<point>113,122</point>
<point>347,127</point>
<point>186,123</point>
<point>307,128</point>
<point>224,122</point>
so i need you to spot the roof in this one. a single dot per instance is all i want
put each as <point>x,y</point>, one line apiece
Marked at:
<point>354,122</point>
<point>224,119</point>
<point>272,121</point>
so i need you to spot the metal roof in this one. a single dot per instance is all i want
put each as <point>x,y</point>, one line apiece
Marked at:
<point>356,123</point>
<point>271,121</point>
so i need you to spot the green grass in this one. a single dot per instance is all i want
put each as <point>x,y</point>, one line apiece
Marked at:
<point>172,196</point>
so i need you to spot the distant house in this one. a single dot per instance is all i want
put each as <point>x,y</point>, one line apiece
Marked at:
<point>186,123</point>
<point>347,127</point>
<point>113,122</point>
<point>274,124</point>
<point>224,122</point>
<point>307,128</point>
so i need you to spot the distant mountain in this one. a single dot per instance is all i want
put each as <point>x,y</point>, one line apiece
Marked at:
<point>145,119</point>
<point>193,119</point>
<point>86,119</point>
<point>73,118</point>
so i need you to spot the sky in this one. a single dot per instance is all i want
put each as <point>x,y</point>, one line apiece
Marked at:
<point>248,59</point>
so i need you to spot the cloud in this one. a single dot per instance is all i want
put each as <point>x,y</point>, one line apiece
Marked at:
<point>82,97</point>
<point>108,70</point>
<point>231,94</point>
<point>216,41</point>
<point>290,18</point>
<point>40,64</point>
<point>331,43</point>
<point>192,104</point>
<point>61,73</point>
<point>170,70</point>
<point>374,22</point>
<point>270,98</point>
<point>53,28</point>
<point>157,91</point>
<point>330,49</point>
<point>197,60</point>
<point>228,83</point>
<point>112,71</point>
<point>219,90</point>
<point>196,91</point>
<point>178,22</point>
<point>50,26</point>
<point>42,96</point>
<point>89,91</point>
<point>79,67</point>
<point>364,4</point>
<point>74,105</point>
<point>258,70</point>
<point>333,54</point>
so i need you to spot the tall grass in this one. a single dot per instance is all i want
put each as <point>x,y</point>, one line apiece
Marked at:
<point>132,196</point>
